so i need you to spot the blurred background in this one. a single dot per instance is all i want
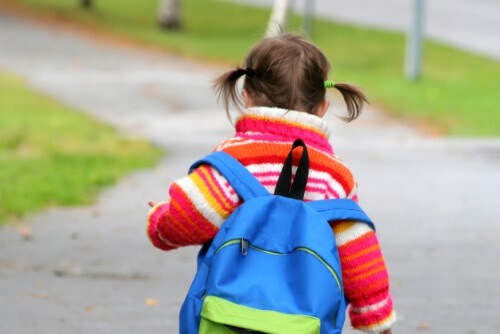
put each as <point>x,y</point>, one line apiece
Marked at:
<point>104,102</point>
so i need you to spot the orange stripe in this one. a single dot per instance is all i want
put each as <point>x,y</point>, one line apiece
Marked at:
<point>319,160</point>
<point>189,215</point>
<point>207,196</point>
<point>266,119</point>
<point>342,226</point>
<point>365,251</point>
<point>372,272</point>
<point>360,268</point>
<point>180,232</point>
<point>220,197</point>
<point>361,295</point>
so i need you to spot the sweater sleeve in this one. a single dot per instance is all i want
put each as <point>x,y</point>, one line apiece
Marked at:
<point>199,203</point>
<point>365,277</point>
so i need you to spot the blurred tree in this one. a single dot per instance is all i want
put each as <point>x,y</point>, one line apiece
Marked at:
<point>86,3</point>
<point>169,14</point>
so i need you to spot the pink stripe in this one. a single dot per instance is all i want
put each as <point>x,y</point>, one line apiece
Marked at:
<point>288,132</point>
<point>156,212</point>
<point>362,280</point>
<point>221,199</point>
<point>326,190</point>
<point>268,183</point>
<point>315,185</point>
<point>261,175</point>
<point>358,290</point>
<point>153,220</point>
<point>265,137</point>
<point>358,245</point>
<point>230,190</point>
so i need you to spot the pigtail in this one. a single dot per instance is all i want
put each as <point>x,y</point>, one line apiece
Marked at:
<point>225,87</point>
<point>354,100</point>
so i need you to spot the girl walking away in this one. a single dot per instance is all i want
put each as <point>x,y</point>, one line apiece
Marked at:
<point>283,98</point>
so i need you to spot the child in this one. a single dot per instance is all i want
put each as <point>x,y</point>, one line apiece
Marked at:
<point>284,98</point>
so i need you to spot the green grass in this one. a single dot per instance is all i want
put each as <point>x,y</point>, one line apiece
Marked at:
<point>458,92</point>
<point>51,155</point>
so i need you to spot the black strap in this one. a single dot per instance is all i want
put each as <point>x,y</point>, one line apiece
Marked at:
<point>242,330</point>
<point>284,187</point>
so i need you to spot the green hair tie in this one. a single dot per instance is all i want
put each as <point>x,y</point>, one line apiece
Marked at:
<point>329,84</point>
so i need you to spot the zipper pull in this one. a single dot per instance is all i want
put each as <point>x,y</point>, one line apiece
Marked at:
<point>244,247</point>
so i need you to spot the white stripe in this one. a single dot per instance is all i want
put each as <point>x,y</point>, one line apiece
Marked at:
<point>354,191</point>
<point>224,185</point>
<point>370,308</point>
<point>234,142</point>
<point>241,141</point>
<point>352,233</point>
<point>321,180</point>
<point>379,328</point>
<point>198,200</point>
<point>265,168</point>
<point>334,184</point>
<point>293,116</point>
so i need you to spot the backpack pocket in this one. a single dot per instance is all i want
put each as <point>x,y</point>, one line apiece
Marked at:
<point>219,316</point>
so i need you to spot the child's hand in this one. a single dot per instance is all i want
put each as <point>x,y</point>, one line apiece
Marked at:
<point>152,204</point>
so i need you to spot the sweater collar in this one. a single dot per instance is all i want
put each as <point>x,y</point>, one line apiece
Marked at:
<point>285,124</point>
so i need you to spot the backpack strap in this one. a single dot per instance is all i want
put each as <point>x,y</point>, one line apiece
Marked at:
<point>297,189</point>
<point>341,209</point>
<point>245,184</point>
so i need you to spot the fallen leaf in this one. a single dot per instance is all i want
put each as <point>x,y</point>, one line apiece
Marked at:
<point>25,232</point>
<point>423,327</point>
<point>40,295</point>
<point>151,302</point>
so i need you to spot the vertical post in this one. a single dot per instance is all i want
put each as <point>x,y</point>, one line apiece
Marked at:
<point>414,41</point>
<point>309,17</point>
<point>169,14</point>
<point>279,18</point>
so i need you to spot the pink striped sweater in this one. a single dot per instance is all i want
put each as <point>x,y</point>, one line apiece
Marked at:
<point>199,204</point>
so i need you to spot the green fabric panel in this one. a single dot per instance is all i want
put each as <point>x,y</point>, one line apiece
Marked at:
<point>218,312</point>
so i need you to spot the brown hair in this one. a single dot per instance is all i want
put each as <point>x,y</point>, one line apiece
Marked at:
<point>288,72</point>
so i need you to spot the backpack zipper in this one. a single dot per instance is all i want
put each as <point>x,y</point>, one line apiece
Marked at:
<point>245,244</point>
<point>329,267</point>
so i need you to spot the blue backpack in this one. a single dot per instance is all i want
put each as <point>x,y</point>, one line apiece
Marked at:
<point>274,266</point>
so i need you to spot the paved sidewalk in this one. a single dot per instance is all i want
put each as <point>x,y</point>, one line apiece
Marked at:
<point>92,270</point>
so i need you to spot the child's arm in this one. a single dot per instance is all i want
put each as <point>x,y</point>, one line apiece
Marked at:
<point>365,278</point>
<point>198,205</point>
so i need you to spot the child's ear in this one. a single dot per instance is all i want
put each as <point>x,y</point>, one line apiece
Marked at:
<point>322,108</point>
<point>247,98</point>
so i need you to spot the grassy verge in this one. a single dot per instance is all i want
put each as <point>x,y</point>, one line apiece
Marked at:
<point>458,94</point>
<point>50,155</point>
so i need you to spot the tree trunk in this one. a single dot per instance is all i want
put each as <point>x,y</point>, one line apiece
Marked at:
<point>169,14</point>
<point>86,3</point>
<point>279,18</point>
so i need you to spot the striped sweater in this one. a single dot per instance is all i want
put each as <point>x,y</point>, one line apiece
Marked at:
<point>201,202</point>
